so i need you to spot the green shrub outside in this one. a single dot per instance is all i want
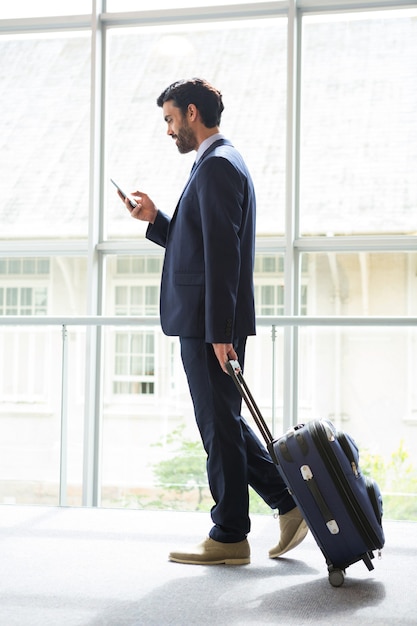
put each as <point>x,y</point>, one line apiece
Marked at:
<point>181,479</point>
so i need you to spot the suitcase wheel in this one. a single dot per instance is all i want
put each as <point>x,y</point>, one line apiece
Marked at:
<point>336,577</point>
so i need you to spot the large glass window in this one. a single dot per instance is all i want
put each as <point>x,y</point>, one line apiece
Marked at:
<point>358,129</point>
<point>240,59</point>
<point>119,389</point>
<point>44,135</point>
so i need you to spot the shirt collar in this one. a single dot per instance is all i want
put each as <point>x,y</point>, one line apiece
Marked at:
<point>206,144</point>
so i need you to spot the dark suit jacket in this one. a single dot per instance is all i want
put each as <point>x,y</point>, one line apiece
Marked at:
<point>207,277</point>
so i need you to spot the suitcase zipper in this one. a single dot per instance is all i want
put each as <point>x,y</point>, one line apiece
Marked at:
<point>344,444</point>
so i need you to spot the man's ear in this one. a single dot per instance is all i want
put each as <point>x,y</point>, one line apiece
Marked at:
<point>192,112</point>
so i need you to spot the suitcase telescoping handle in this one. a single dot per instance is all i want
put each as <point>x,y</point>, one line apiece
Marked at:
<point>235,372</point>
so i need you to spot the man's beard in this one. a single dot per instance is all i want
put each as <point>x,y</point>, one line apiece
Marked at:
<point>185,139</point>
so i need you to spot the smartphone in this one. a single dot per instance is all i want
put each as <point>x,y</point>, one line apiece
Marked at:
<point>131,202</point>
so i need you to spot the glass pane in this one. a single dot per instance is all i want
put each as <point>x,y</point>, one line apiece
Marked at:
<point>44,135</point>
<point>120,365</point>
<point>29,266</point>
<point>136,343</point>
<point>268,281</point>
<point>42,8</point>
<point>152,301</point>
<point>361,283</point>
<point>11,296</point>
<point>136,366</point>
<point>15,266</point>
<point>30,413</point>
<point>155,428</point>
<point>358,130</point>
<point>43,266</point>
<point>243,57</point>
<point>120,296</point>
<point>149,366</point>
<point>123,265</point>
<point>136,294</point>
<point>138,265</point>
<point>363,380</point>
<point>154,265</point>
<point>126,292</point>
<point>59,289</point>
<point>136,415</point>
<point>122,342</point>
<point>150,343</point>
<point>26,295</point>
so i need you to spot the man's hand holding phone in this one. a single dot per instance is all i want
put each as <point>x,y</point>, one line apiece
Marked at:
<point>139,204</point>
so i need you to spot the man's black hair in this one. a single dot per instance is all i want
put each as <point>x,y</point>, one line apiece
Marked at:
<point>199,92</point>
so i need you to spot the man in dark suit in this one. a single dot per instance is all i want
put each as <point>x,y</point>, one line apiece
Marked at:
<point>207,300</point>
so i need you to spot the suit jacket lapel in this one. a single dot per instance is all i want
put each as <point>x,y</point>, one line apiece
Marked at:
<point>219,142</point>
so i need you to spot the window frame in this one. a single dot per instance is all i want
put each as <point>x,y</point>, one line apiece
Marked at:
<point>98,248</point>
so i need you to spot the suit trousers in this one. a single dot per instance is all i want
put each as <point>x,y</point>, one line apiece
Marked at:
<point>235,456</point>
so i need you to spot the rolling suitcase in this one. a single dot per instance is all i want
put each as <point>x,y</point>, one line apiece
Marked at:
<point>320,466</point>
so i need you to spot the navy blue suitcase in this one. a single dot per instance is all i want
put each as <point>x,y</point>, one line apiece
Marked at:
<point>320,465</point>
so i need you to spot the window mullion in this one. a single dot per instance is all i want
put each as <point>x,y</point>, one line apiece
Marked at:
<point>92,419</point>
<point>291,264</point>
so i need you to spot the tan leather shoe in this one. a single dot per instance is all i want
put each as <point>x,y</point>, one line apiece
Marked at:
<point>211,552</point>
<point>293,531</point>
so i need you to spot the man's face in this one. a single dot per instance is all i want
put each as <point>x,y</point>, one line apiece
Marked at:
<point>178,128</point>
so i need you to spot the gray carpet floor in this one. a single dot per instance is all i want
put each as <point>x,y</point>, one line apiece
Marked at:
<point>107,567</point>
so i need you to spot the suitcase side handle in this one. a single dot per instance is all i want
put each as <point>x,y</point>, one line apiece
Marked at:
<point>328,516</point>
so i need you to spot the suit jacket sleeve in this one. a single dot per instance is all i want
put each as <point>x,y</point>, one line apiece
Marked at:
<point>158,231</point>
